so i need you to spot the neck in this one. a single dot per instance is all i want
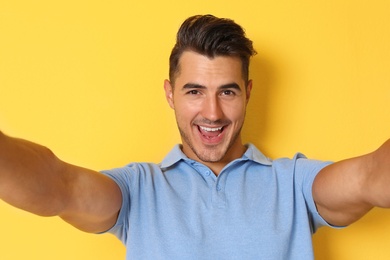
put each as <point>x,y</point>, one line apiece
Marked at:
<point>216,167</point>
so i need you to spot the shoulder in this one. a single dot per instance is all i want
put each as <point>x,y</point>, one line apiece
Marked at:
<point>299,164</point>
<point>133,172</point>
<point>299,168</point>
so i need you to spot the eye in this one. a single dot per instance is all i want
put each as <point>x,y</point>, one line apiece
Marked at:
<point>193,92</point>
<point>228,93</point>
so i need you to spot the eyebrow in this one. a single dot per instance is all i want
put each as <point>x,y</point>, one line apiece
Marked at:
<point>198,86</point>
<point>193,86</point>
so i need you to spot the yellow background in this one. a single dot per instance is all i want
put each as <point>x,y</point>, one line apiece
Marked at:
<point>85,78</point>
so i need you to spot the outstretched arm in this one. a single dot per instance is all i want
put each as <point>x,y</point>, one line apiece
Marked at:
<point>34,179</point>
<point>348,189</point>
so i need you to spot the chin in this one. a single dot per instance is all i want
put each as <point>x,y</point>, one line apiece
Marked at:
<point>210,154</point>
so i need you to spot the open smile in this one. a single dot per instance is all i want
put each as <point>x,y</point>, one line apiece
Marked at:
<point>211,134</point>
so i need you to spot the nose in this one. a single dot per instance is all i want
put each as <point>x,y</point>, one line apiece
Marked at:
<point>212,109</point>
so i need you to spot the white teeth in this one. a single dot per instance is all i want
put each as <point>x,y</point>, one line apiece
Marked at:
<point>208,129</point>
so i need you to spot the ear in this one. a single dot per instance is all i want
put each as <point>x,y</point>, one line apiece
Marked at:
<point>169,93</point>
<point>248,90</point>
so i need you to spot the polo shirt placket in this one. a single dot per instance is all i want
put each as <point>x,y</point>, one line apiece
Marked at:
<point>216,183</point>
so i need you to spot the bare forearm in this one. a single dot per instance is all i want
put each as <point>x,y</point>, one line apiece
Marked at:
<point>30,177</point>
<point>346,190</point>
<point>378,181</point>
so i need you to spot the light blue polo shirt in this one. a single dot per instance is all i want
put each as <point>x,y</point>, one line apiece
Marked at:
<point>255,209</point>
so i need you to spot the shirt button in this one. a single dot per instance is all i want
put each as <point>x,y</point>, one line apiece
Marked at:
<point>207,173</point>
<point>219,187</point>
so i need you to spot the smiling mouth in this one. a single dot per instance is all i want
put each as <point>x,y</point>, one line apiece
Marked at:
<point>210,132</point>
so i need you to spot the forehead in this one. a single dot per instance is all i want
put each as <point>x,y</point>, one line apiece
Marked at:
<point>197,68</point>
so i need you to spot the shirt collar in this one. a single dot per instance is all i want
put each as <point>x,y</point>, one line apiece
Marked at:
<point>252,153</point>
<point>175,155</point>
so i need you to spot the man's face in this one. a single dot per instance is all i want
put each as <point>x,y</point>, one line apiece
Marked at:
<point>209,99</point>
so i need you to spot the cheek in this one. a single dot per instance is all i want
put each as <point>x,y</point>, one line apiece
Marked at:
<point>236,112</point>
<point>184,114</point>
<point>187,108</point>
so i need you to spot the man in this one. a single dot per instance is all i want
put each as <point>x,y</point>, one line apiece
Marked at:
<point>212,197</point>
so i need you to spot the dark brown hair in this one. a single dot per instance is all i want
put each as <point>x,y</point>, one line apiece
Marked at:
<point>211,36</point>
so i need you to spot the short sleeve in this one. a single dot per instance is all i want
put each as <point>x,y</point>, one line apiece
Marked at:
<point>122,176</point>
<point>305,172</point>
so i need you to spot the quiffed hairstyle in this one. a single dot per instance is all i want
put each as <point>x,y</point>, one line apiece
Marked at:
<point>211,36</point>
